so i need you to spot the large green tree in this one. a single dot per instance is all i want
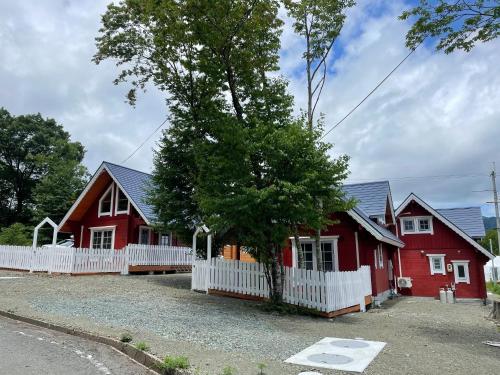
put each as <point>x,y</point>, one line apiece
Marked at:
<point>40,170</point>
<point>491,235</point>
<point>458,24</point>
<point>226,159</point>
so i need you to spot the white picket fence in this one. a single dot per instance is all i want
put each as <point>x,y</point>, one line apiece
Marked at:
<point>323,291</point>
<point>156,255</point>
<point>78,261</point>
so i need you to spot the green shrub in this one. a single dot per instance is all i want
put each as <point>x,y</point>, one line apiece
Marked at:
<point>261,367</point>
<point>172,363</point>
<point>17,234</point>
<point>126,337</point>
<point>141,345</point>
<point>492,287</point>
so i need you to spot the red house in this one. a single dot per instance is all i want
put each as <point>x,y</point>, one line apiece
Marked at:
<point>112,212</point>
<point>441,249</point>
<point>364,235</point>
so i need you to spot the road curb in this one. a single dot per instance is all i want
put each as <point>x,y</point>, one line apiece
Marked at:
<point>139,356</point>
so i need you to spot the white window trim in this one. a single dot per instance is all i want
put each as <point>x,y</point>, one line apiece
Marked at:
<point>431,264</point>
<point>332,239</point>
<point>465,263</point>
<point>141,227</point>
<point>416,226</point>
<point>380,255</point>
<point>101,229</point>
<point>127,211</point>
<point>110,213</point>
<point>161,234</point>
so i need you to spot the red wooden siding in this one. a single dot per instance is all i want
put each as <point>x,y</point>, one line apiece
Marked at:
<point>415,262</point>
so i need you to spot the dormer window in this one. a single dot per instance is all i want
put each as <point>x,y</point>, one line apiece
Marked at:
<point>122,204</point>
<point>416,225</point>
<point>106,202</point>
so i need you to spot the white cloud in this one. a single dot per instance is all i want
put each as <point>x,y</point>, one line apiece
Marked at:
<point>437,115</point>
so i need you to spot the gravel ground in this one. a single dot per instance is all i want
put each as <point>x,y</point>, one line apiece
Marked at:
<point>422,336</point>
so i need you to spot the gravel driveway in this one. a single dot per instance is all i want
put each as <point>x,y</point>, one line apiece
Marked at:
<point>422,336</point>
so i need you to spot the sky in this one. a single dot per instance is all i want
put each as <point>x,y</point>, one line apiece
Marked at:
<point>438,115</point>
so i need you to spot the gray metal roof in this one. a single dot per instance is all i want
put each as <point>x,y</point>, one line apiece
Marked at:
<point>380,229</point>
<point>136,185</point>
<point>371,197</point>
<point>468,219</point>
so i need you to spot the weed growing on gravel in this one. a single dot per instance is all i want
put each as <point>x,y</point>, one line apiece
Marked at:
<point>126,337</point>
<point>261,367</point>
<point>286,309</point>
<point>171,364</point>
<point>141,345</point>
<point>228,371</point>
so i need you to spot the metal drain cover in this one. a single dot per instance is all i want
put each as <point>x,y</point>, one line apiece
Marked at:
<point>330,359</point>
<point>350,344</point>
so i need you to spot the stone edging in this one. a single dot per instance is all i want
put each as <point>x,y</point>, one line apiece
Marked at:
<point>139,356</point>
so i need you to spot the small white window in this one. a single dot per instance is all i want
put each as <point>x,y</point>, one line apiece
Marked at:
<point>424,225</point>
<point>408,225</point>
<point>103,238</point>
<point>122,204</point>
<point>461,271</point>
<point>380,256</point>
<point>437,264</point>
<point>106,202</point>
<point>165,240</point>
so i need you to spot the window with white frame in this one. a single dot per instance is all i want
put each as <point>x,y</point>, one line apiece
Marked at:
<point>102,238</point>
<point>164,240</point>
<point>144,235</point>
<point>436,263</point>
<point>122,203</point>
<point>106,202</point>
<point>380,256</point>
<point>461,271</point>
<point>416,225</point>
<point>328,252</point>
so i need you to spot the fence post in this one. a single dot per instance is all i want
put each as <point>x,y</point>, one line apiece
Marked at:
<point>125,261</point>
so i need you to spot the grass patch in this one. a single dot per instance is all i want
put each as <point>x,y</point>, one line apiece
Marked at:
<point>228,371</point>
<point>173,363</point>
<point>286,309</point>
<point>126,337</point>
<point>141,345</point>
<point>493,288</point>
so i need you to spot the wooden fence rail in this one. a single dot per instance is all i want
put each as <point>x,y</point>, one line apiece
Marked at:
<point>323,291</point>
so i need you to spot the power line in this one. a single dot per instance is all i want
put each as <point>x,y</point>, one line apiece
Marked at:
<point>372,91</point>
<point>418,177</point>
<point>144,142</point>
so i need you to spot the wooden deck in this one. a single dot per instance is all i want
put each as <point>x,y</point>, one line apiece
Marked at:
<point>163,268</point>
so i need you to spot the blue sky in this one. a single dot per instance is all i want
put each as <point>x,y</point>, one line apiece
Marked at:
<point>437,115</point>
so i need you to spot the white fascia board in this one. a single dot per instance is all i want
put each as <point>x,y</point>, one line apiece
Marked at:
<point>82,194</point>
<point>445,221</point>
<point>371,230</point>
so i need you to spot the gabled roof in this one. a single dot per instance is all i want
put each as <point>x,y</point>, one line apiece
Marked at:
<point>449,223</point>
<point>133,183</point>
<point>469,219</point>
<point>371,197</point>
<point>371,201</point>
<point>379,232</point>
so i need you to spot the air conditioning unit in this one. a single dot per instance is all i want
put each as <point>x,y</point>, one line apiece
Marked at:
<point>404,282</point>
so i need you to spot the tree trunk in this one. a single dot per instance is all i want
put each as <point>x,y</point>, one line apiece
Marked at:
<point>275,277</point>
<point>319,253</point>
<point>301,263</point>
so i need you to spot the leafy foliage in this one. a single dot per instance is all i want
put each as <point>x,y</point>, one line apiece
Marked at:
<point>17,234</point>
<point>40,168</point>
<point>141,345</point>
<point>126,337</point>
<point>459,24</point>
<point>492,235</point>
<point>492,287</point>
<point>174,362</point>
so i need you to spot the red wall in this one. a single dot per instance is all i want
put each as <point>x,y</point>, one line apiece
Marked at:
<point>345,227</point>
<point>415,262</point>
<point>126,231</point>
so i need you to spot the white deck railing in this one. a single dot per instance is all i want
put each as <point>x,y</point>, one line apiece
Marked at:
<point>155,255</point>
<point>323,291</point>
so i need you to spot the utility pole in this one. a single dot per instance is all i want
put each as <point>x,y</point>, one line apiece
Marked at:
<point>495,201</point>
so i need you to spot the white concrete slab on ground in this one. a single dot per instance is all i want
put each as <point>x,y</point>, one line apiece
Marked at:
<point>339,354</point>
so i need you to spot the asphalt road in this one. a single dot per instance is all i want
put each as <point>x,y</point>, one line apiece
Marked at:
<point>27,349</point>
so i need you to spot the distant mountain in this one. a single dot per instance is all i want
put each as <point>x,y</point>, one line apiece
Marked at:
<point>489,222</point>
